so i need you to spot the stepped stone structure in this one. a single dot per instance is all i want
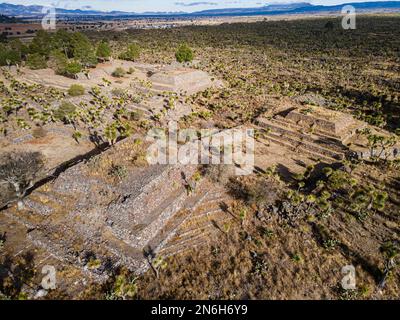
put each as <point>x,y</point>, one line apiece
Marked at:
<point>323,135</point>
<point>181,80</point>
<point>148,77</point>
<point>82,217</point>
<point>91,225</point>
<point>140,77</point>
<point>333,122</point>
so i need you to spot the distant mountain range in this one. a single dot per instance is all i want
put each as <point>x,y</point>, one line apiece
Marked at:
<point>294,8</point>
<point>298,8</point>
<point>5,19</point>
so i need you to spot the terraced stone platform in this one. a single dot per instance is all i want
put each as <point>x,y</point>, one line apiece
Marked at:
<point>321,134</point>
<point>19,246</point>
<point>81,217</point>
<point>157,105</point>
<point>84,220</point>
<point>152,80</point>
<point>181,80</point>
<point>207,215</point>
<point>294,138</point>
<point>335,123</point>
<point>86,213</point>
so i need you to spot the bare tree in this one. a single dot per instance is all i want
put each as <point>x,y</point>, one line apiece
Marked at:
<point>20,170</point>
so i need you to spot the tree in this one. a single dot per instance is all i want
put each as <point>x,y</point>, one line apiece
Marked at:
<point>329,25</point>
<point>18,46</point>
<point>111,134</point>
<point>132,53</point>
<point>65,112</point>
<point>103,51</point>
<point>390,251</point>
<point>58,61</point>
<point>62,41</point>
<point>8,56</point>
<point>77,135</point>
<point>82,50</point>
<point>20,170</point>
<point>184,53</point>
<point>36,61</point>
<point>42,44</point>
<point>123,288</point>
<point>3,37</point>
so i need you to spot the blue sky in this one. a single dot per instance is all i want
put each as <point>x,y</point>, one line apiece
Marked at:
<point>164,5</point>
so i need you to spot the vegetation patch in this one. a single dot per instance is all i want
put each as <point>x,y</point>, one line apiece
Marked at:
<point>76,90</point>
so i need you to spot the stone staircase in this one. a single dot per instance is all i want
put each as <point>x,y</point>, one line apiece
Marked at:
<point>315,143</point>
<point>141,108</point>
<point>139,218</point>
<point>161,87</point>
<point>205,218</point>
<point>78,214</point>
<point>157,106</point>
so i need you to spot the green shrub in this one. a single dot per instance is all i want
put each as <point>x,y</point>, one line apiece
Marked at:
<point>3,37</point>
<point>8,56</point>
<point>19,47</point>
<point>82,50</point>
<point>71,45</point>
<point>12,53</point>
<point>132,53</point>
<point>76,90</point>
<point>103,50</point>
<point>36,61</point>
<point>58,61</point>
<point>184,53</point>
<point>41,43</point>
<point>123,288</point>
<point>65,111</point>
<point>72,69</point>
<point>329,25</point>
<point>118,171</point>
<point>119,72</point>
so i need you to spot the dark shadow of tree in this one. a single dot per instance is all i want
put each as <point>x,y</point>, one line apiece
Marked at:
<point>15,272</point>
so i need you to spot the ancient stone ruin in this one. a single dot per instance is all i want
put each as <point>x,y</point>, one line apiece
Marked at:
<point>153,78</point>
<point>323,135</point>
<point>84,223</point>
<point>181,80</point>
<point>81,217</point>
